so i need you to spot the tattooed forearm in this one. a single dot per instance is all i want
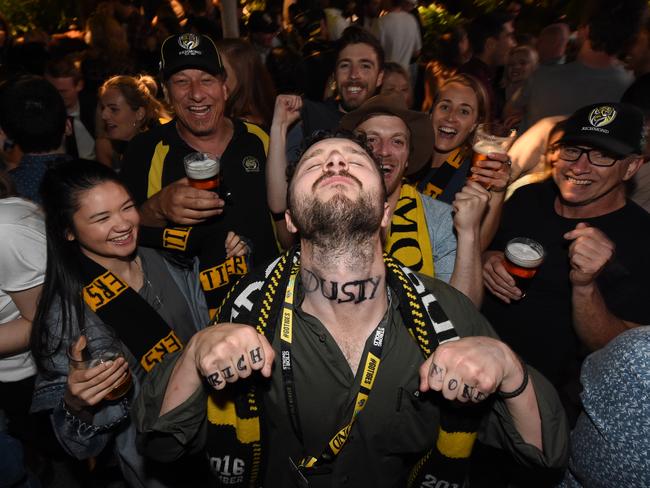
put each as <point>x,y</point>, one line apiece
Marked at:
<point>355,291</point>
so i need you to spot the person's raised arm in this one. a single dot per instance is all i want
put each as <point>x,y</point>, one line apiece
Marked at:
<point>589,253</point>
<point>286,113</point>
<point>469,206</point>
<point>493,174</point>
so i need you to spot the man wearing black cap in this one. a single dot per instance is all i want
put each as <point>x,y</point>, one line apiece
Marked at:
<point>194,82</point>
<point>593,283</point>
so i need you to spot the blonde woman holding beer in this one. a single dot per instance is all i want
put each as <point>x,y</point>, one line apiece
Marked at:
<point>460,106</point>
<point>98,278</point>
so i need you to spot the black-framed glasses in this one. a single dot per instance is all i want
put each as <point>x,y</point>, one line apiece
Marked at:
<point>571,154</point>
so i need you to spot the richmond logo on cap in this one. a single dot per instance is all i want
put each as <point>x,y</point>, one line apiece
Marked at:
<point>189,41</point>
<point>602,116</point>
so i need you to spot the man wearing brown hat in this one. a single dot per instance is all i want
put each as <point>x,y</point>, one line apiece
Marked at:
<point>421,234</point>
<point>194,82</point>
<point>593,282</point>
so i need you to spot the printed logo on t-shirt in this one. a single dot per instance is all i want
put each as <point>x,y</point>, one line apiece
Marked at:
<point>251,164</point>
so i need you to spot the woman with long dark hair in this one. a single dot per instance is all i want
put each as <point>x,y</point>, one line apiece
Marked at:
<point>97,276</point>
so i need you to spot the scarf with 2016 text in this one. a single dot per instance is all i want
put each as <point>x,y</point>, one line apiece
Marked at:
<point>235,433</point>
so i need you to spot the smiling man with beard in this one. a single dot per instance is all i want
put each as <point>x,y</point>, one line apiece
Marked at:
<point>593,283</point>
<point>358,73</point>
<point>354,391</point>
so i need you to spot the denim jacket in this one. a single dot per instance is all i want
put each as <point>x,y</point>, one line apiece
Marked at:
<point>111,420</point>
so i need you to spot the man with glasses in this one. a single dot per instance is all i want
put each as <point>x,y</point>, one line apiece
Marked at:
<point>593,283</point>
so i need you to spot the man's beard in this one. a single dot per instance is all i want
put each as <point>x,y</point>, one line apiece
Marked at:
<point>340,227</point>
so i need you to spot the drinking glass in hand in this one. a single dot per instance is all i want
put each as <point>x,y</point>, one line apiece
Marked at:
<point>203,170</point>
<point>523,256</point>
<point>491,137</point>
<point>101,345</point>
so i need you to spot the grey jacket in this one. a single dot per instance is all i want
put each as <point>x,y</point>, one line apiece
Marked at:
<point>111,421</point>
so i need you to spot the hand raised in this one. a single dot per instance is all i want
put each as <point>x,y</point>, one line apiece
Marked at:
<point>589,253</point>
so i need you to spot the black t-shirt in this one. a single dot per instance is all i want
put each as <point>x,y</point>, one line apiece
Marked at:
<point>154,159</point>
<point>540,326</point>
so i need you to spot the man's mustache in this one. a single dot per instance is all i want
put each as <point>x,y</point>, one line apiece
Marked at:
<point>330,173</point>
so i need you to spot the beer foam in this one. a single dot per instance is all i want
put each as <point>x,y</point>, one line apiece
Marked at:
<point>524,255</point>
<point>201,169</point>
<point>486,147</point>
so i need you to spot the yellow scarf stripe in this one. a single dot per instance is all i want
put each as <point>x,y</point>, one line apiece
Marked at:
<point>156,169</point>
<point>223,413</point>
<point>456,445</point>
<point>408,236</point>
<point>261,135</point>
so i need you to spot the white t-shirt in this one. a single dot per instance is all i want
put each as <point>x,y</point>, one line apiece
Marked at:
<point>22,266</point>
<point>399,35</point>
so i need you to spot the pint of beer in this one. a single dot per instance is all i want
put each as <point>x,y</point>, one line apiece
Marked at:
<point>491,138</point>
<point>523,256</point>
<point>203,170</point>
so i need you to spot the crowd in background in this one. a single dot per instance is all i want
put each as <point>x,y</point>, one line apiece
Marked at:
<point>106,93</point>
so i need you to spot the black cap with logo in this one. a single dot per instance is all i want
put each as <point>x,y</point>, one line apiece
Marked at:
<point>613,127</point>
<point>189,51</point>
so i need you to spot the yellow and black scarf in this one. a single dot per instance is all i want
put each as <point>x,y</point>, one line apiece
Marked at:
<point>217,272</point>
<point>435,181</point>
<point>234,427</point>
<point>408,236</point>
<point>141,328</point>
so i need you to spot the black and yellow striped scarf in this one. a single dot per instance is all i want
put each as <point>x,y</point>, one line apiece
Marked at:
<point>234,429</point>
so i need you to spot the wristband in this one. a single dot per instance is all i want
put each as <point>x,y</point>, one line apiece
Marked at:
<point>522,387</point>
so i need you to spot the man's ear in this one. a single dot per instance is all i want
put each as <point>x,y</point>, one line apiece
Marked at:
<point>289,221</point>
<point>386,216</point>
<point>632,167</point>
<point>69,236</point>
<point>380,78</point>
<point>68,127</point>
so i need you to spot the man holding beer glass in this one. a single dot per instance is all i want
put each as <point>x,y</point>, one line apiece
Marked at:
<point>231,153</point>
<point>592,282</point>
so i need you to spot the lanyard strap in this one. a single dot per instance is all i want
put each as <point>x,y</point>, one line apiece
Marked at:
<point>371,367</point>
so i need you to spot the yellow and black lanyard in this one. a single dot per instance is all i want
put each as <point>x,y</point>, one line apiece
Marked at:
<point>371,367</point>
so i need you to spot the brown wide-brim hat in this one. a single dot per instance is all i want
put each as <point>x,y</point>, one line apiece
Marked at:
<point>418,123</point>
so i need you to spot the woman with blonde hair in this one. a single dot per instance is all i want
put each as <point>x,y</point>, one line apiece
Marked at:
<point>127,106</point>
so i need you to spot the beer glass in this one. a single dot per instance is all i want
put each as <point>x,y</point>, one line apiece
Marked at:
<point>101,346</point>
<point>203,170</point>
<point>491,137</point>
<point>523,256</point>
